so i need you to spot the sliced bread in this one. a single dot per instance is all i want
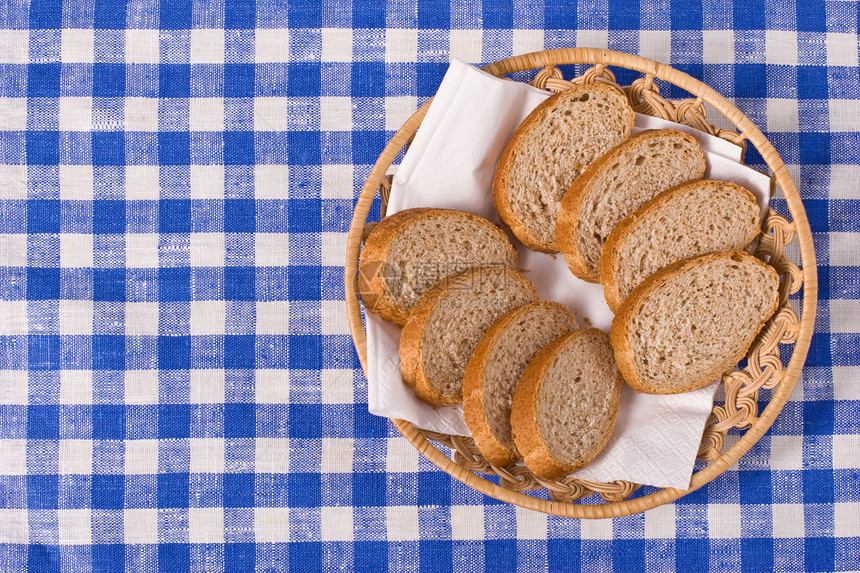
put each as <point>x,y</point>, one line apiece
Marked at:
<point>446,324</point>
<point>696,218</point>
<point>565,405</point>
<point>617,184</point>
<point>495,368</point>
<point>690,322</point>
<point>410,251</point>
<point>549,149</point>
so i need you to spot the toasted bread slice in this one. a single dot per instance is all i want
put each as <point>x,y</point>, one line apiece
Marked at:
<point>565,405</point>
<point>549,149</point>
<point>695,218</point>
<point>495,369</point>
<point>446,324</point>
<point>690,322</point>
<point>618,184</point>
<point>410,251</point>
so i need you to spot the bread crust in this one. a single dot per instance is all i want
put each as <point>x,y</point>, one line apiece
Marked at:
<point>571,203</point>
<point>619,331</point>
<point>493,450</point>
<point>501,193</point>
<point>609,257</point>
<point>412,336</point>
<point>374,255</point>
<point>524,412</point>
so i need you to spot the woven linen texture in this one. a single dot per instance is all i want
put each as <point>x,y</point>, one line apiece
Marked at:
<point>178,388</point>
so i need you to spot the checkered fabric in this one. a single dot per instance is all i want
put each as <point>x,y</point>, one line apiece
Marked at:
<point>178,389</point>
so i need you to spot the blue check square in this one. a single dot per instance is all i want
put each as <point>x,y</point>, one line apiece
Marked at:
<point>819,553</point>
<point>303,148</point>
<point>239,351</point>
<point>174,216</point>
<point>303,80</point>
<point>240,215</point>
<point>43,80</point>
<point>812,16</point>
<point>174,80</point>
<point>368,490</point>
<point>42,491</point>
<point>108,148</point>
<point>172,490</point>
<point>108,80</point>
<point>305,352</point>
<point>109,284</point>
<point>434,14</point>
<point>108,422</point>
<point>366,79</point>
<point>108,216</point>
<point>240,557</point>
<point>815,148</point>
<point>43,558</point>
<point>303,489</point>
<point>108,352</point>
<point>174,557</point>
<point>108,491</point>
<point>818,486</point>
<point>239,14</point>
<point>756,553</point>
<point>43,216</point>
<point>107,558</point>
<point>367,145</point>
<point>174,148</point>
<point>428,77</point>
<point>238,490</point>
<point>368,14</point>
<point>43,148</point>
<point>306,421</point>
<point>174,421</point>
<point>812,82</point>
<point>174,352</point>
<point>109,16</point>
<point>304,283</point>
<point>239,80</point>
<point>689,553</point>
<point>174,284</point>
<point>175,15</point>
<point>43,352</point>
<point>238,148</point>
<point>305,556</point>
<point>43,422</point>
<point>45,14</point>
<point>433,488</point>
<point>373,556</point>
<point>240,283</point>
<point>819,350</point>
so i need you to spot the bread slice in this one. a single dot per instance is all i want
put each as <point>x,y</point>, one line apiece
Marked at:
<point>410,251</point>
<point>618,184</point>
<point>695,218</point>
<point>495,368</point>
<point>686,325</point>
<point>549,149</point>
<point>446,324</point>
<point>565,405</point>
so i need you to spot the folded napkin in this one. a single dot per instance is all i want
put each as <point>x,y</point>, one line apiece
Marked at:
<point>450,164</point>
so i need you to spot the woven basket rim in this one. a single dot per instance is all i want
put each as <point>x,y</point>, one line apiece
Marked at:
<point>791,373</point>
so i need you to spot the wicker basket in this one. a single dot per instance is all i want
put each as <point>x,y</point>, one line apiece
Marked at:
<point>764,368</point>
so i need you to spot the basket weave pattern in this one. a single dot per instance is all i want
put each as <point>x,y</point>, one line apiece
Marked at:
<point>764,368</point>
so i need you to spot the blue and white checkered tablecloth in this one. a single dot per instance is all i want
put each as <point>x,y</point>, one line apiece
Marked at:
<point>178,388</point>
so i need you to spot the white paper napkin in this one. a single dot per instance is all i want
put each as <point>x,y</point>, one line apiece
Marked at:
<point>451,164</point>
